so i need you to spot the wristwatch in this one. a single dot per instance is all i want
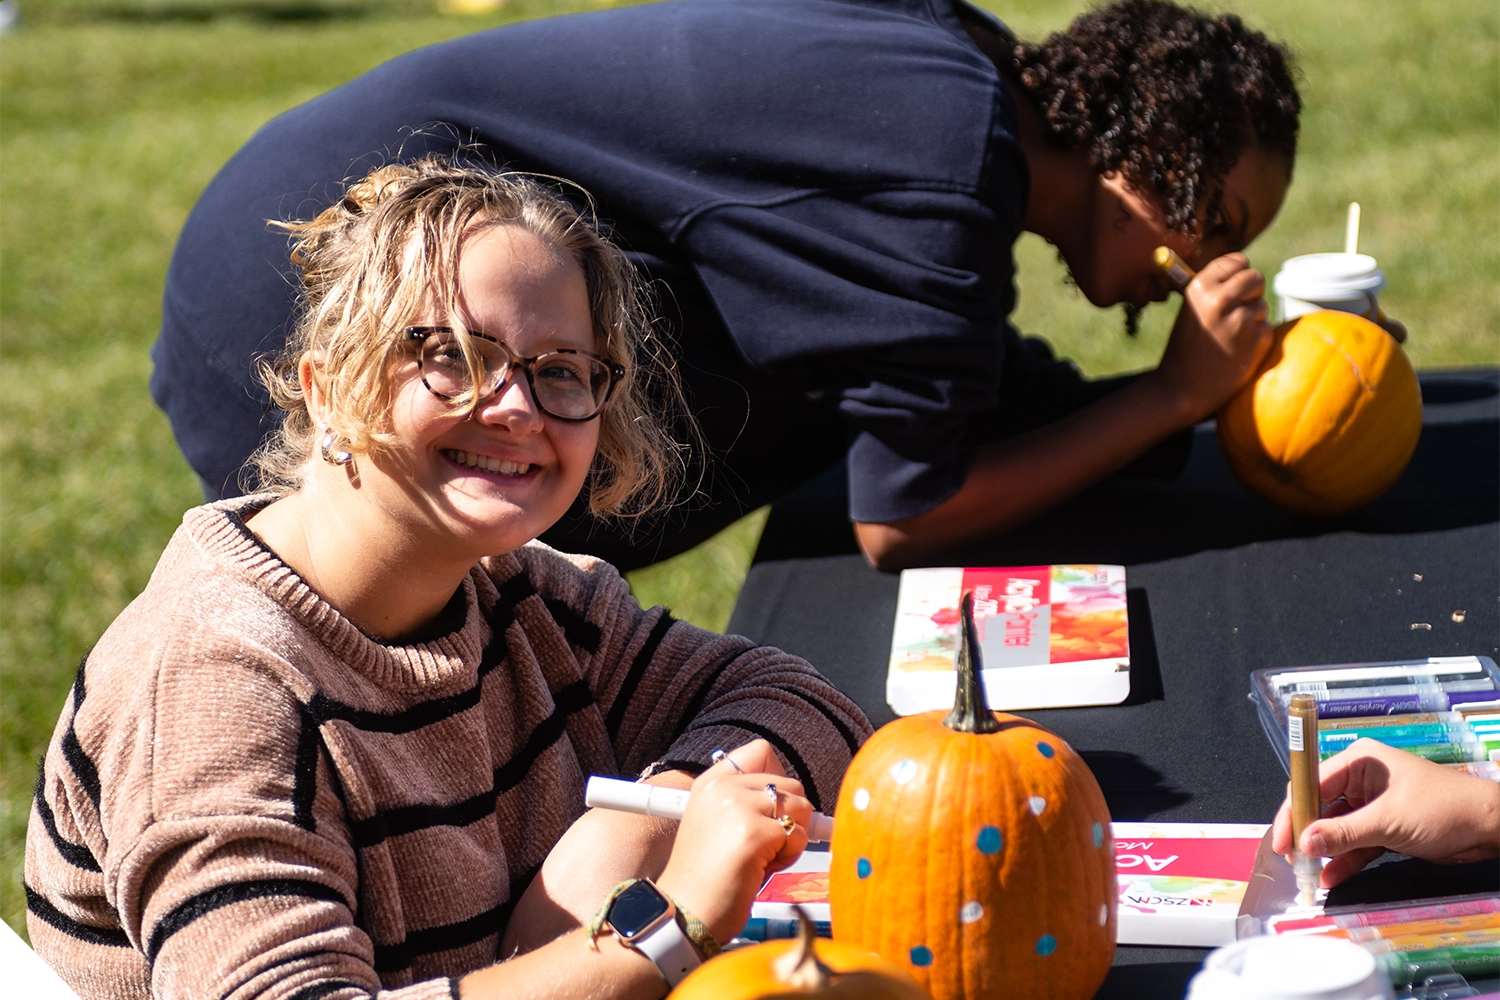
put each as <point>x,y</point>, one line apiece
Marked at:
<point>643,918</point>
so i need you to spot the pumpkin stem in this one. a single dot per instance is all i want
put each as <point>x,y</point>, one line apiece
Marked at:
<point>970,712</point>
<point>800,967</point>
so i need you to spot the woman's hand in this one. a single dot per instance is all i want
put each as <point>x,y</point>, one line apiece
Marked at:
<point>730,839</point>
<point>1387,799</point>
<point>1220,337</point>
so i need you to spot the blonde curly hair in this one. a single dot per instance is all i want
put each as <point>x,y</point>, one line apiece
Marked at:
<point>388,251</point>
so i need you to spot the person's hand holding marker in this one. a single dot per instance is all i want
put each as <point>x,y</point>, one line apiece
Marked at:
<point>1378,798</point>
<point>733,836</point>
<point>1221,333</point>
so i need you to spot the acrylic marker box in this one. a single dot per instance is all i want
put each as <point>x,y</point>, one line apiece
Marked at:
<point>1445,708</point>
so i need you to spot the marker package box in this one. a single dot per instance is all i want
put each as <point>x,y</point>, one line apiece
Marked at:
<point>1443,708</point>
<point>1049,636</point>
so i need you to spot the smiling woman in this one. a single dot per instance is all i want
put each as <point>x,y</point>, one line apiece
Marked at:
<point>338,745</point>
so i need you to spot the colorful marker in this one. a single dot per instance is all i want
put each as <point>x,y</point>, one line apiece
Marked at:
<point>1390,673</point>
<point>1386,916</point>
<point>1392,685</point>
<point>1402,967</point>
<point>1427,942</point>
<point>1433,702</point>
<point>1331,693</point>
<point>1447,925</point>
<point>1307,801</point>
<point>1391,735</point>
<point>1410,719</point>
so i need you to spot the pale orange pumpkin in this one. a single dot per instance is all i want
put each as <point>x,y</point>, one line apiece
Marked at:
<point>975,851</point>
<point>1330,420</point>
<point>802,968</point>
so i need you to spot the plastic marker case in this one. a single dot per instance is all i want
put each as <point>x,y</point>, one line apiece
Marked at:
<point>1432,693</point>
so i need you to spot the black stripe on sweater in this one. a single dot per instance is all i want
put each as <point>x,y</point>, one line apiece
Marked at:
<point>73,752</point>
<point>206,902</point>
<point>44,911</point>
<point>317,991</point>
<point>394,957</point>
<point>407,819</point>
<point>695,704</point>
<point>576,627</point>
<point>850,740</point>
<point>305,770</point>
<point>580,631</point>
<point>777,741</point>
<point>427,713</point>
<point>77,855</point>
<point>638,668</point>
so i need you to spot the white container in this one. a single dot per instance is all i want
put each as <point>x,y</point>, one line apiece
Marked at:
<point>1348,282</point>
<point>1290,968</point>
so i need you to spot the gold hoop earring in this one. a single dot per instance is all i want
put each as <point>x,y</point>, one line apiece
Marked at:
<point>332,454</point>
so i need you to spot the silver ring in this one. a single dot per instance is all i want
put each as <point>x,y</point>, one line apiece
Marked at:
<point>720,755</point>
<point>775,797</point>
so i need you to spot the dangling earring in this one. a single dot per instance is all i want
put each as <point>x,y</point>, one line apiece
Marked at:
<point>332,454</point>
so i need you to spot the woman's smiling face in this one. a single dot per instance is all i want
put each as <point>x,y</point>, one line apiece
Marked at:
<point>488,482</point>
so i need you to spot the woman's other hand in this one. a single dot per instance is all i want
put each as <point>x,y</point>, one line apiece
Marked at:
<point>1220,338</point>
<point>730,839</point>
<point>1385,799</point>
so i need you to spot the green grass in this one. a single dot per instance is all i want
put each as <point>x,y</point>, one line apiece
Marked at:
<point>115,113</point>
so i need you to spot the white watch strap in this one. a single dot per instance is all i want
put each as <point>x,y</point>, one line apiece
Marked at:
<point>671,950</point>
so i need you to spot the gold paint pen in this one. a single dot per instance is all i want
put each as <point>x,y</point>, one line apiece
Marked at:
<point>1302,740</point>
<point>1175,267</point>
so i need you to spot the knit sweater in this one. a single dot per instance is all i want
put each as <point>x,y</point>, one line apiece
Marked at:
<point>246,796</point>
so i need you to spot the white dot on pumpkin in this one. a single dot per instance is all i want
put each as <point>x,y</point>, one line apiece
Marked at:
<point>903,771</point>
<point>861,799</point>
<point>1103,914</point>
<point>971,912</point>
<point>1037,804</point>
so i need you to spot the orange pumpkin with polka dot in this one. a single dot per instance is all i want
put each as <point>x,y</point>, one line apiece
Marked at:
<point>973,849</point>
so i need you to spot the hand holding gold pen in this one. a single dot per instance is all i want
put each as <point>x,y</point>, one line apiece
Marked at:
<point>1174,266</point>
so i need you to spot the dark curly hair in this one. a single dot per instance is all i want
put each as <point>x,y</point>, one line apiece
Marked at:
<point>1169,97</point>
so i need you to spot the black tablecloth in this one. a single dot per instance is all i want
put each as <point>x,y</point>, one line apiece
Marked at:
<point>1219,584</point>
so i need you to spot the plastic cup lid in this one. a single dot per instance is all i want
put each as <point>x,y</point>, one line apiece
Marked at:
<point>1317,276</point>
<point>1290,968</point>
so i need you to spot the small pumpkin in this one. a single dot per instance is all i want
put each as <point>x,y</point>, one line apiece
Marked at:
<point>800,968</point>
<point>1330,420</point>
<point>974,849</point>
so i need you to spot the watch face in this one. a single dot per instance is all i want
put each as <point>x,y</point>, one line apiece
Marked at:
<point>636,909</point>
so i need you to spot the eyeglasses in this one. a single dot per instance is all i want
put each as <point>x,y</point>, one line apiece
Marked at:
<point>566,384</point>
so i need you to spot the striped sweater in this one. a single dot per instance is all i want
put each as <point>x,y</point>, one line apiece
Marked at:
<point>246,796</point>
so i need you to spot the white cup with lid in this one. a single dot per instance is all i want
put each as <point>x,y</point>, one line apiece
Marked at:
<point>1348,282</point>
<point>1290,968</point>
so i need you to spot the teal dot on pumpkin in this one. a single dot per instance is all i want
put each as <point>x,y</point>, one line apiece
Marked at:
<point>921,955</point>
<point>1046,749</point>
<point>1046,945</point>
<point>989,840</point>
<point>1098,834</point>
<point>862,867</point>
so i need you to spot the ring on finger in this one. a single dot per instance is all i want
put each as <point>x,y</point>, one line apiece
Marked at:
<point>720,755</point>
<point>787,824</point>
<point>775,797</point>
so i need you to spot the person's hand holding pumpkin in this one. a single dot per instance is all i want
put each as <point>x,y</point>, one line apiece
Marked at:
<point>1220,337</point>
<point>1381,798</point>
<point>730,839</point>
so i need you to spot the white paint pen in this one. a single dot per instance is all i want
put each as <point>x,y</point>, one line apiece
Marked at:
<point>668,803</point>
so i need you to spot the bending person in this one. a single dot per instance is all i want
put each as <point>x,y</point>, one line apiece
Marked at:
<point>338,745</point>
<point>1378,798</point>
<point>826,196</point>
